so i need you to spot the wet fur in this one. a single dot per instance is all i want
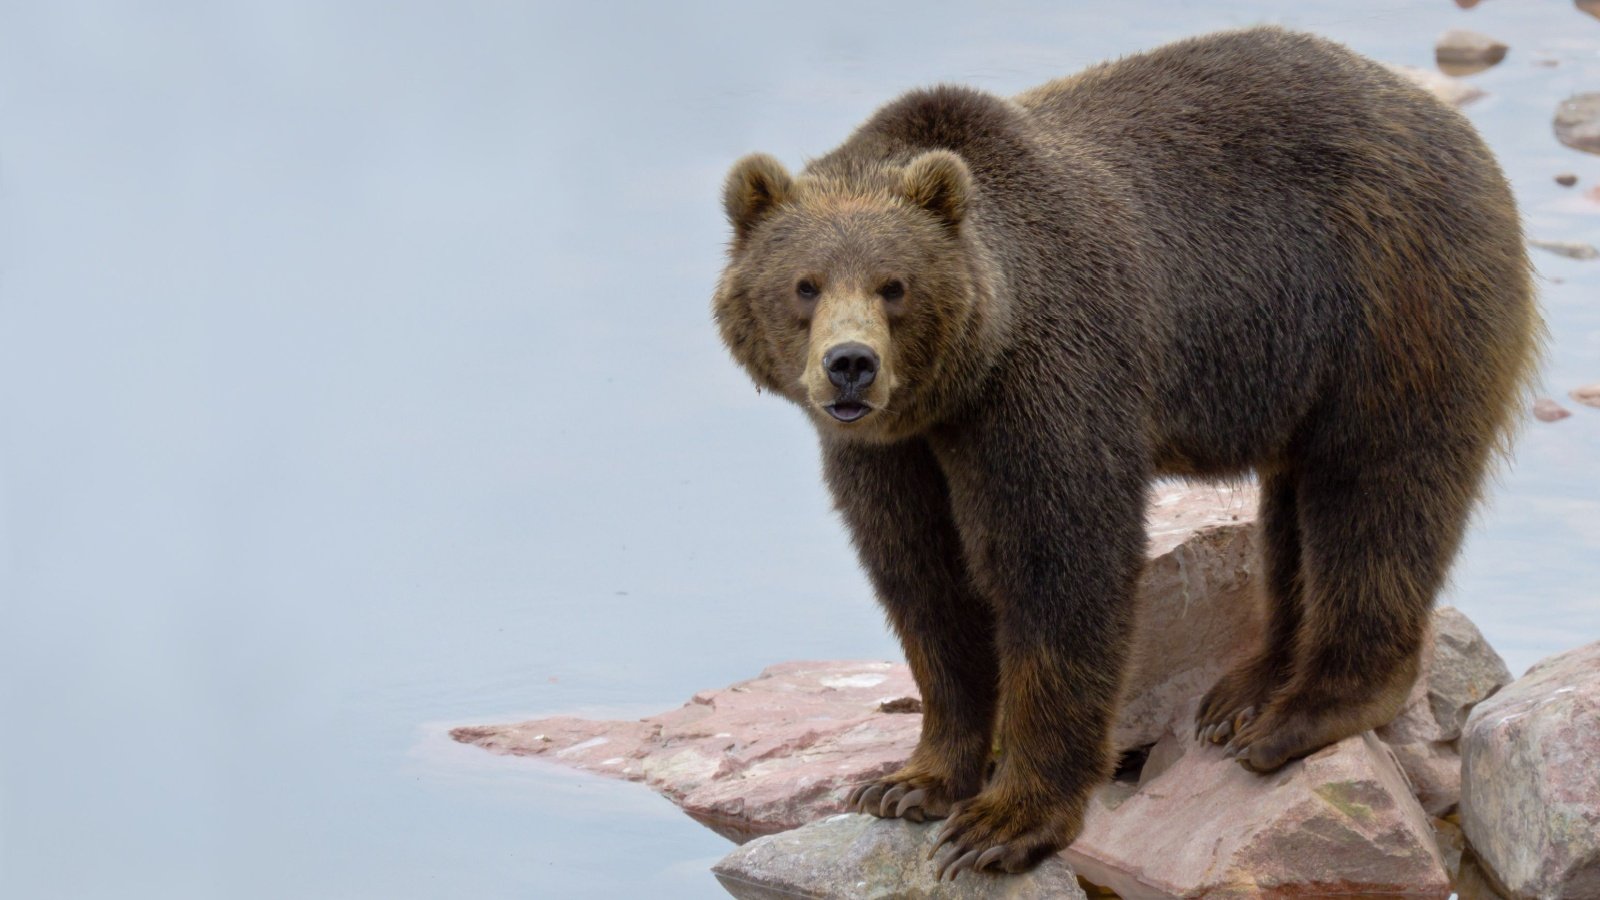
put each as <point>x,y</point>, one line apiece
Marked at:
<point>1248,252</point>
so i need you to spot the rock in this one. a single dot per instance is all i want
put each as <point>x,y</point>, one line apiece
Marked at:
<point>1588,395</point>
<point>759,757</point>
<point>1451,842</point>
<point>1577,122</point>
<point>1453,91</point>
<point>857,856</point>
<point>1462,52</point>
<point>1341,821</point>
<point>1198,610</point>
<point>1592,7</point>
<point>1566,179</point>
<point>1530,800</point>
<point>1569,249</point>
<point>1547,410</point>
<point>1459,669</point>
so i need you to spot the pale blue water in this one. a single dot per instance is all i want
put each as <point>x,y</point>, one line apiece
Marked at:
<point>357,379</point>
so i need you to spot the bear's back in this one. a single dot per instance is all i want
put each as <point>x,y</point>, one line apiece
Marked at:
<point>1305,214</point>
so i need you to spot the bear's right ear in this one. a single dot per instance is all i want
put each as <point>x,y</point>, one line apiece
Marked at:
<point>756,185</point>
<point>938,181</point>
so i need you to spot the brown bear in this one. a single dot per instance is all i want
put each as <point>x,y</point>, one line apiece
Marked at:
<point>1248,252</point>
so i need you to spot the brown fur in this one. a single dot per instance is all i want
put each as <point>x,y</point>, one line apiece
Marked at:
<point>1254,251</point>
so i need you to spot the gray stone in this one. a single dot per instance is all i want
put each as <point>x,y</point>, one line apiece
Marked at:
<point>1339,822</point>
<point>1530,793</point>
<point>863,858</point>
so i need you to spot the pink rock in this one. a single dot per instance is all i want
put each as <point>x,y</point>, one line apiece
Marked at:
<point>759,757</point>
<point>1339,822</point>
<point>1198,610</point>
<point>1588,395</point>
<point>1547,410</point>
<point>1530,797</point>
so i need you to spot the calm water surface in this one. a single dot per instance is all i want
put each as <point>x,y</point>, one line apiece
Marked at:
<point>357,380</point>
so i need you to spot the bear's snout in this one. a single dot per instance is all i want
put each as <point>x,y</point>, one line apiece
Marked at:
<point>851,366</point>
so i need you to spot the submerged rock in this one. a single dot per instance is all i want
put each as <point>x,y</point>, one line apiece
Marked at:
<point>1530,799</point>
<point>1547,410</point>
<point>1577,122</point>
<point>1569,249</point>
<point>858,857</point>
<point>1453,91</point>
<point>1341,821</point>
<point>1462,52</point>
<point>1566,179</point>
<point>1588,395</point>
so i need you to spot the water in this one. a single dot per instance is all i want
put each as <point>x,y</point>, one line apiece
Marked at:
<point>357,381</point>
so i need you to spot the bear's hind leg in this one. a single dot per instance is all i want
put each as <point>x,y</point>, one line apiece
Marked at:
<point>1380,530</point>
<point>1243,690</point>
<point>896,502</point>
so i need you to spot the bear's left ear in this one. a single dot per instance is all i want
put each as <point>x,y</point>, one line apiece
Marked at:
<point>939,182</point>
<point>755,185</point>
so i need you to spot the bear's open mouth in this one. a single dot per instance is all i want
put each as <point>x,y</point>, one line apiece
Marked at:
<point>847,410</point>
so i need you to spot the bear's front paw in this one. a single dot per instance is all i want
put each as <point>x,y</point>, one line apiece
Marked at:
<point>907,794</point>
<point>989,833</point>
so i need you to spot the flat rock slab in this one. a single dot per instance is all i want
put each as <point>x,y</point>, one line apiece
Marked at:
<point>1530,798</point>
<point>856,857</point>
<point>1341,822</point>
<point>759,757</point>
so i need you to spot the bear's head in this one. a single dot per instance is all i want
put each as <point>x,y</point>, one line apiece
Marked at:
<point>856,293</point>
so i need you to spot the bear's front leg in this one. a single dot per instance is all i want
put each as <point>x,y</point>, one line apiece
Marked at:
<point>896,503</point>
<point>1056,540</point>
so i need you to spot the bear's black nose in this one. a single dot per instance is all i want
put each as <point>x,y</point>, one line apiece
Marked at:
<point>851,365</point>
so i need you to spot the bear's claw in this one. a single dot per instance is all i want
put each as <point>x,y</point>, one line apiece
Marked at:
<point>913,797</point>
<point>987,836</point>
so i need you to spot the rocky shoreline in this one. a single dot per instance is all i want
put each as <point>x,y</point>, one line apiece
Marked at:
<point>767,762</point>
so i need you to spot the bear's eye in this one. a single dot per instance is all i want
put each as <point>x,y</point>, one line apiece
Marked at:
<point>807,289</point>
<point>893,291</point>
